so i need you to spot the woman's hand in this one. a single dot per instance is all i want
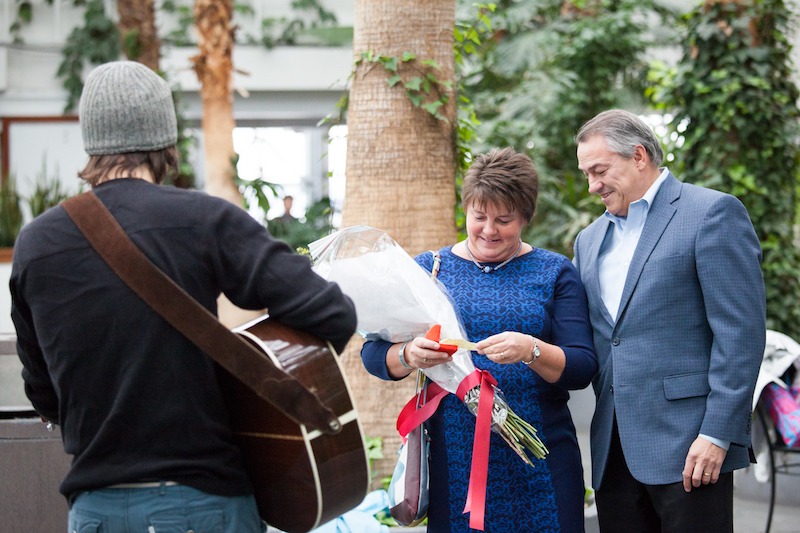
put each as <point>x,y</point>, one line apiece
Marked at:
<point>512,347</point>
<point>416,353</point>
<point>424,353</point>
<point>509,347</point>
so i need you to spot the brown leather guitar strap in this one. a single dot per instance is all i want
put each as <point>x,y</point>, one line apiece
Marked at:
<point>244,361</point>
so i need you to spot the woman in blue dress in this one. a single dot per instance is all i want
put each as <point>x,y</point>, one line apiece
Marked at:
<point>527,310</point>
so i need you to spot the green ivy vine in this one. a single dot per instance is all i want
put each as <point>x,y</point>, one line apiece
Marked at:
<point>428,92</point>
<point>424,90</point>
<point>97,41</point>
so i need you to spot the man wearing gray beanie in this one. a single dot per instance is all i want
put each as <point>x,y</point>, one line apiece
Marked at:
<point>138,404</point>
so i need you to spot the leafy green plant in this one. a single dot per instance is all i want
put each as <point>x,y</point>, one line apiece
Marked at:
<point>734,104</point>
<point>298,233</point>
<point>546,68</point>
<point>180,36</point>
<point>256,192</point>
<point>10,212</point>
<point>24,16</point>
<point>97,41</point>
<point>47,192</point>
<point>469,35</point>
<point>310,25</point>
<point>374,452</point>
<point>315,224</point>
<point>423,87</point>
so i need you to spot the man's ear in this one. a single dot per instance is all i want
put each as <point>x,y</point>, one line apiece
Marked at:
<point>640,157</point>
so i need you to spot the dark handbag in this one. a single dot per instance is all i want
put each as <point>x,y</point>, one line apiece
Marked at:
<point>408,489</point>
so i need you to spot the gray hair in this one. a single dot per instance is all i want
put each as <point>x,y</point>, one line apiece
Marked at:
<point>623,131</point>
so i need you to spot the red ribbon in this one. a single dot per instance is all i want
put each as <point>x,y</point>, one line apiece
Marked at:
<point>424,404</point>
<point>479,471</point>
<point>419,408</point>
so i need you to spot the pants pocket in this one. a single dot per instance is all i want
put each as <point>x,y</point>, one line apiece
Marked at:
<point>81,522</point>
<point>208,520</point>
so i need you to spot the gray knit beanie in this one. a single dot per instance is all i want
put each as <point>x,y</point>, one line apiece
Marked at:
<point>126,107</point>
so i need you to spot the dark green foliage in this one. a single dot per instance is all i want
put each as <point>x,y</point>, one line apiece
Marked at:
<point>298,233</point>
<point>549,67</point>
<point>48,192</point>
<point>734,95</point>
<point>96,42</point>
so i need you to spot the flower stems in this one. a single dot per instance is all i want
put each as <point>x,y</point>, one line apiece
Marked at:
<point>520,435</point>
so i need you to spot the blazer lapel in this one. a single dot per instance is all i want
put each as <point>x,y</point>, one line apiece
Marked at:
<point>658,217</point>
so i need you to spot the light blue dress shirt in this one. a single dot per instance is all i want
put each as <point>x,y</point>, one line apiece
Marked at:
<point>617,249</point>
<point>616,254</point>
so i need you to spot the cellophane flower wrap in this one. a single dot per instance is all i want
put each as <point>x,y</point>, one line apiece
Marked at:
<point>396,300</point>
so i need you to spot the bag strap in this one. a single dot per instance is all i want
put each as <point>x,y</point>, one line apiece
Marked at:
<point>420,408</point>
<point>184,313</point>
<point>437,262</point>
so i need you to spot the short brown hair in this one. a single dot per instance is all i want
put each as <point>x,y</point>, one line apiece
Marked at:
<point>503,177</point>
<point>162,163</point>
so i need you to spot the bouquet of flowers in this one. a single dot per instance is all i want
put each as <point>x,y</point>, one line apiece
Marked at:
<point>396,300</point>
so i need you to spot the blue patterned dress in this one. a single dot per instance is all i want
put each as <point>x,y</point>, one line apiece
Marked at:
<point>540,294</point>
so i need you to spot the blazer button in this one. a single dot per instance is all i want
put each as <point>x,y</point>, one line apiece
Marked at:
<point>615,341</point>
<point>611,389</point>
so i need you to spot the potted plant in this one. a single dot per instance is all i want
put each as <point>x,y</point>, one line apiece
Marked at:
<point>48,192</point>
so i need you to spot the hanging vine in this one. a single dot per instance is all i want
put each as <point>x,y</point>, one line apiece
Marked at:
<point>97,41</point>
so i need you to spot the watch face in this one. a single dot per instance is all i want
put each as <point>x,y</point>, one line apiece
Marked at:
<point>536,351</point>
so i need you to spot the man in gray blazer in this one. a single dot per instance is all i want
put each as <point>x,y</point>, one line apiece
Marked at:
<point>677,305</point>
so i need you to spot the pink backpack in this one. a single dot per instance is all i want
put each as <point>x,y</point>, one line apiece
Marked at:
<point>783,405</point>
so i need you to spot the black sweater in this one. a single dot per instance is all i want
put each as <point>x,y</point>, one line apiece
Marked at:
<point>136,400</point>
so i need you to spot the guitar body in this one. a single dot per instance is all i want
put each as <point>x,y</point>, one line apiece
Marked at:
<point>302,477</point>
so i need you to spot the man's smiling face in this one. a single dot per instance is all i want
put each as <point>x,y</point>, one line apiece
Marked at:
<point>617,180</point>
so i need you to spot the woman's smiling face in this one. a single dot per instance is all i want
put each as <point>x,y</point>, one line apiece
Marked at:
<point>493,232</point>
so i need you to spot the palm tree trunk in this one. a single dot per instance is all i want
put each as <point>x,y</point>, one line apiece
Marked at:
<point>137,28</point>
<point>214,67</point>
<point>400,169</point>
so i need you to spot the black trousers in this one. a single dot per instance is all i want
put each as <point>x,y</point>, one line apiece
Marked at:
<point>624,505</point>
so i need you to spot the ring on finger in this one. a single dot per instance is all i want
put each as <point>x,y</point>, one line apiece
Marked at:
<point>424,359</point>
<point>706,474</point>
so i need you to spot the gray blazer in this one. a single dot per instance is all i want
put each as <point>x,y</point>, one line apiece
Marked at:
<point>684,355</point>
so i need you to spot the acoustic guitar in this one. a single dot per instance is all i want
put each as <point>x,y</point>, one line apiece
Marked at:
<point>302,477</point>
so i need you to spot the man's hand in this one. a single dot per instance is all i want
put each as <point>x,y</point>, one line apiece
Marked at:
<point>703,463</point>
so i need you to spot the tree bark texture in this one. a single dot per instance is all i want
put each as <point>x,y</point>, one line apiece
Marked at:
<point>400,159</point>
<point>214,68</point>
<point>137,29</point>
<point>400,171</point>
